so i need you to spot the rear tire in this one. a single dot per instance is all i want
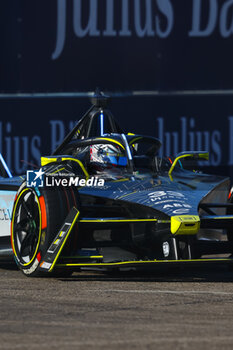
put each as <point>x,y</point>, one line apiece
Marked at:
<point>37,216</point>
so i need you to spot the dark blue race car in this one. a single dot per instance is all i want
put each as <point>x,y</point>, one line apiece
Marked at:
<point>105,199</point>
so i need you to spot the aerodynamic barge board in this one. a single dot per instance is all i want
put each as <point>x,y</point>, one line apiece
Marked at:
<point>59,241</point>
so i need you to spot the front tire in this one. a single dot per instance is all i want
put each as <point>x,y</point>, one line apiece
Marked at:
<point>38,214</point>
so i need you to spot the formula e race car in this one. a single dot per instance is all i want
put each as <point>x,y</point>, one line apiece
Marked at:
<point>105,199</point>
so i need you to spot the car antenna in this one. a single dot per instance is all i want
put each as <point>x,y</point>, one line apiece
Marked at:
<point>99,99</point>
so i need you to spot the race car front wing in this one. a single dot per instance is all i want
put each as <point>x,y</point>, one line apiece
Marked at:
<point>180,225</point>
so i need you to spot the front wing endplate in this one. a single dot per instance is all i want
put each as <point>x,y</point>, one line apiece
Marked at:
<point>59,241</point>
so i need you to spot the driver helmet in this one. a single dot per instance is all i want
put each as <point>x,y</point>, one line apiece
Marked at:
<point>107,155</point>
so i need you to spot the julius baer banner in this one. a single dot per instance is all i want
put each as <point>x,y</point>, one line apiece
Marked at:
<point>120,45</point>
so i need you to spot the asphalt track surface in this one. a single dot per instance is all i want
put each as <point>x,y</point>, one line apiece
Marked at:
<point>175,309</point>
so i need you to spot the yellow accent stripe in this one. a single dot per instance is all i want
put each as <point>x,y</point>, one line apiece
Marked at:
<point>144,262</point>
<point>112,141</point>
<point>201,155</point>
<point>58,170</point>
<point>120,180</point>
<point>93,257</point>
<point>174,164</point>
<point>135,139</point>
<point>204,155</point>
<point>70,229</point>
<point>79,163</point>
<point>47,160</point>
<point>128,194</point>
<point>121,220</point>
